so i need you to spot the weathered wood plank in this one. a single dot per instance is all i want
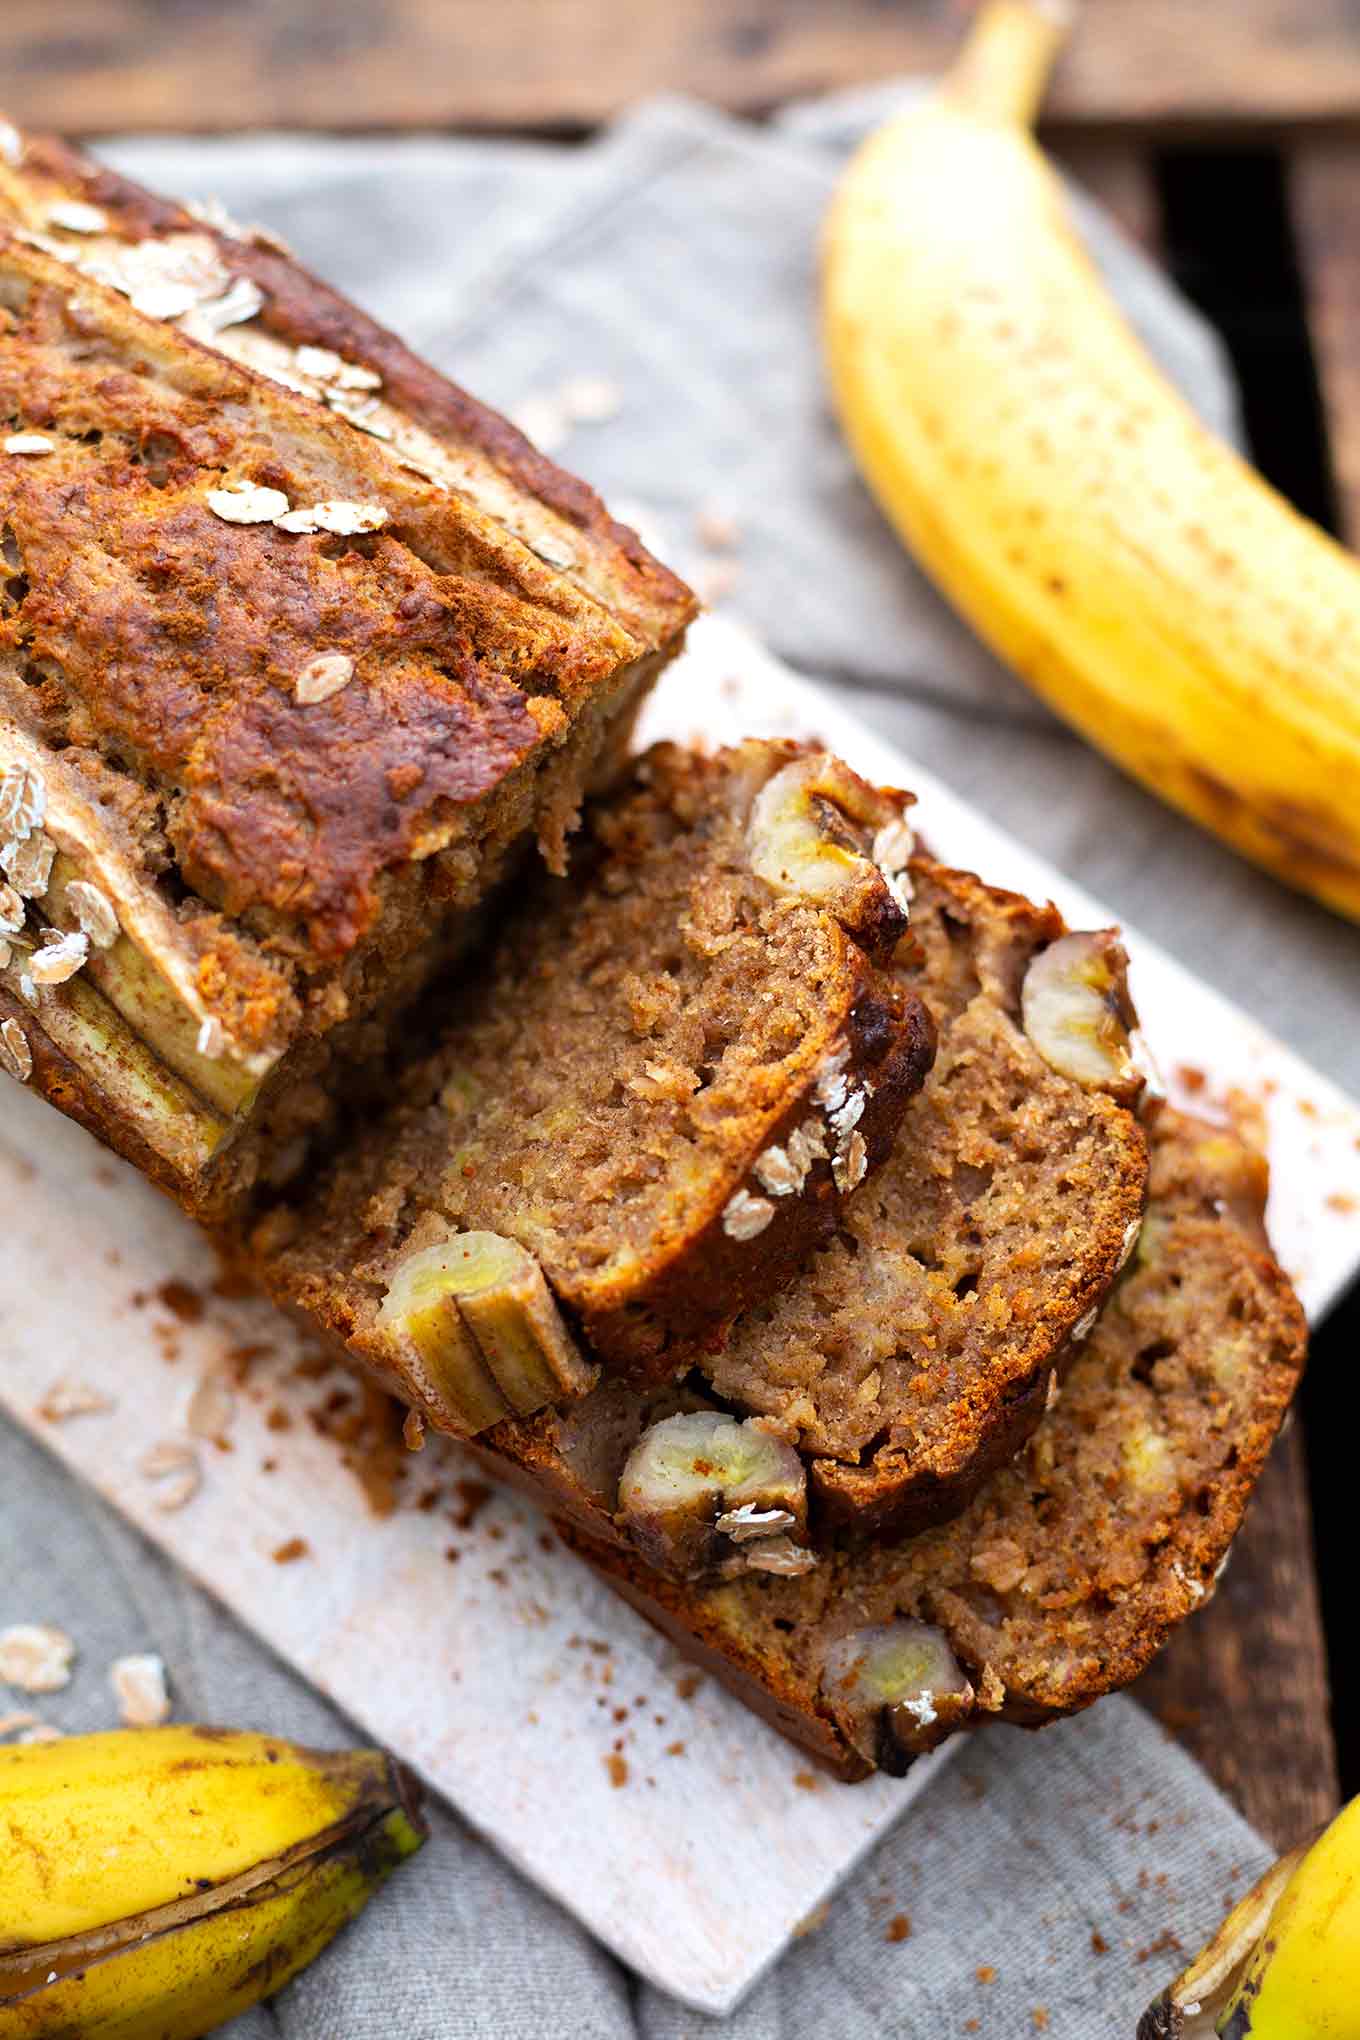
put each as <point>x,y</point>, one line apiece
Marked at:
<point>1115,172</point>
<point>96,65</point>
<point>1244,1684</point>
<point>1324,186</point>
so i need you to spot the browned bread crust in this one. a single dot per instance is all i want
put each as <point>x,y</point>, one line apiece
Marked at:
<point>273,856</point>
<point>608,1092</point>
<point>1072,1566</point>
<point>301,310</point>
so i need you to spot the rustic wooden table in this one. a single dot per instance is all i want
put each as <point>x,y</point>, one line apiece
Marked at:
<point>1227,138</point>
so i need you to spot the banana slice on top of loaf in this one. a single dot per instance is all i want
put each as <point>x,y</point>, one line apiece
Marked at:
<point>661,1090</point>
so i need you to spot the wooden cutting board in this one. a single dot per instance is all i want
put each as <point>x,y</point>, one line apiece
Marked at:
<point>684,1833</point>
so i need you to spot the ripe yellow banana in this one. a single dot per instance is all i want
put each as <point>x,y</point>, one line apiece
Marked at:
<point>157,1881</point>
<point>1285,1964</point>
<point>1144,579</point>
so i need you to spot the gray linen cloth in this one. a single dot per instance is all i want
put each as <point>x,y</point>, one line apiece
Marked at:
<point>1047,1881</point>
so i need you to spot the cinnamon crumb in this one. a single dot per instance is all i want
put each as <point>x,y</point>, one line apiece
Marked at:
<point>805,1781</point>
<point>181,1301</point>
<point>452,1553</point>
<point>688,1684</point>
<point>1040,2018</point>
<point>293,1549</point>
<point>474,1494</point>
<point>675,1749</point>
<point>986,1973</point>
<point>617,1768</point>
<point>241,1359</point>
<point>413,1431</point>
<point>898,1928</point>
<point>278,1419</point>
<point>1099,1945</point>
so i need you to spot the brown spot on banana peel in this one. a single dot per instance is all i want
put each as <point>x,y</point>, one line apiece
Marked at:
<point>1305,835</point>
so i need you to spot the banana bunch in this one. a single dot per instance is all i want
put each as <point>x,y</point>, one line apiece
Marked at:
<point>155,1882</point>
<point>1285,1964</point>
<point>1128,565</point>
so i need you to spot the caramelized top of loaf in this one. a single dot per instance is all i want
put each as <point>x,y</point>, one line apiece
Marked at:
<point>269,723</point>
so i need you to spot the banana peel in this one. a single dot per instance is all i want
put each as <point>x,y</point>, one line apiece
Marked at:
<point>159,1881</point>
<point>1138,574</point>
<point>1285,1964</point>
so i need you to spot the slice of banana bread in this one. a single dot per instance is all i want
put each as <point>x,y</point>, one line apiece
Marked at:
<point>300,648</point>
<point>640,1096</point>
<point>916,1351</point>
<point>1072,1566</point>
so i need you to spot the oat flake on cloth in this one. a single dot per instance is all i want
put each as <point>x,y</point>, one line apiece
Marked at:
<point>649,297</point>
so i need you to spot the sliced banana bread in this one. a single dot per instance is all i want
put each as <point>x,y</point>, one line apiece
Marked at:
<point>300,648</point>
<point>1071,1567</point>
<point>599,1125</point>
<point>915,1353</point>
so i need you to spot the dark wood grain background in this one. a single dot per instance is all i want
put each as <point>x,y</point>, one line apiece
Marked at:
<point>1245,1685</point>
<point>92,65</point>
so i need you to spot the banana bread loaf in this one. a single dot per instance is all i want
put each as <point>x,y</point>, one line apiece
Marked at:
<point>623,1094</point>
<point>1072,1565</point>
<point>915,1352</point>
<point>300,647</point>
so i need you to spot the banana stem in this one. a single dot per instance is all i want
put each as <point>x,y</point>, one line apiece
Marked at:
<point>1004,65</point>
